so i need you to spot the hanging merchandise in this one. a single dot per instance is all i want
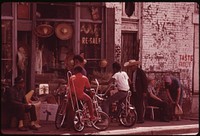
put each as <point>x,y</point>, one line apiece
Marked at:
<point>64,31</point>
<point>44,30</point>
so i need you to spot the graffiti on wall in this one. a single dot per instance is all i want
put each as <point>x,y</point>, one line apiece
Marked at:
<point>159,59</point>
<point>168,38</point>
<point>185,60</point>
<point>166,28</point>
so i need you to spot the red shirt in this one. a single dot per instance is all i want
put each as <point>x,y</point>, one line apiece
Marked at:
<point>80,82</point>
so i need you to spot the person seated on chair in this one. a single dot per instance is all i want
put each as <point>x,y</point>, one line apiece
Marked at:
<point>18,104</point>
<point>154,100</point>
<point>78,82</point>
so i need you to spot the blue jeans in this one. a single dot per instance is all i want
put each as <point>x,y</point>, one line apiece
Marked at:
<point>119,96</point>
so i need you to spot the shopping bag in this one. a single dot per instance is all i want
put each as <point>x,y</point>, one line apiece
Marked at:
<point>178,110</point>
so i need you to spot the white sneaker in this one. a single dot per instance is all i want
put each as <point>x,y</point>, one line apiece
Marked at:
<point>38,126</point>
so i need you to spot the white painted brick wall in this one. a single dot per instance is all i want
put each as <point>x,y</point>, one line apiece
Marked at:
<point>167,39</point>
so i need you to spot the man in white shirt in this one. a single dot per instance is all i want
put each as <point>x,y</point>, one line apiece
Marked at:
<point>121,79</point>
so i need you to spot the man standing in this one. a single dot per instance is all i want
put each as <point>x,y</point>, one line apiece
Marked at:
<point>138,88</point>
<point>19,105</point>
<point>174,92</point>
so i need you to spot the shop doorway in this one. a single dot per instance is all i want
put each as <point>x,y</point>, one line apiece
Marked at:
<point>130,48</point>
<point>24,57</point>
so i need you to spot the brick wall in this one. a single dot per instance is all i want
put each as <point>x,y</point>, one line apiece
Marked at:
<point>167,38</point>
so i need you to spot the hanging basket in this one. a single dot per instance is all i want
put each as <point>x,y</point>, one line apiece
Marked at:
<point>64,31</point>
<point>44,30</point>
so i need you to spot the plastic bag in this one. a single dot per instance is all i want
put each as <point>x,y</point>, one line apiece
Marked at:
<point>178,110</point>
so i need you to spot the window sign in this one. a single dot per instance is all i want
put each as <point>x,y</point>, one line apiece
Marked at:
<point>91,10</point>
<point>90,34</point>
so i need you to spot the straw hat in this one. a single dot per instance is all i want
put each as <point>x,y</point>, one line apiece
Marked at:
<point>131,63</point>
<point>64,31</point>
<point>44,30</point>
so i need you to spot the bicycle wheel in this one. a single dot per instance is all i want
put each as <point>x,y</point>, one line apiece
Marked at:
<point>102,122</point>
<point>128,119</point>
<point>60,114</point>
<point>78,122</point>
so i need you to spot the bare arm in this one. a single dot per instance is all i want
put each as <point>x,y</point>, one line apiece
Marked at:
<point>108,82</point>
<point>169,96</point>
<point>178,95</point>
<point>155,97</point>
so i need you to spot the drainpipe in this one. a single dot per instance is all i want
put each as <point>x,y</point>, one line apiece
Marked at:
<point>14,43</point>
<point>140,13</point>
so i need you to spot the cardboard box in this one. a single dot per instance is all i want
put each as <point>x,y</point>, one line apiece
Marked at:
<point>48,111</point>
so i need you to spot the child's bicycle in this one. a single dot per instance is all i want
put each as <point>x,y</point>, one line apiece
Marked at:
<point>124,111</point>
<point>82,117</point>
<point>61,111</point>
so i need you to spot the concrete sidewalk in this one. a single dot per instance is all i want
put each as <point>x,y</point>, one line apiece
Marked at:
<point>147,128</point>
<point>156,129</point>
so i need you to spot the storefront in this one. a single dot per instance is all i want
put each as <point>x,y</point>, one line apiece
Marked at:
<point>41,38</point>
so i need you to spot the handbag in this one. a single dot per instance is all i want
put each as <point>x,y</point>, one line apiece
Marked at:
<point>178,110</point>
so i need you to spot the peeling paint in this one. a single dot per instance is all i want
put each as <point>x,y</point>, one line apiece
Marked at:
<point>168,38</point>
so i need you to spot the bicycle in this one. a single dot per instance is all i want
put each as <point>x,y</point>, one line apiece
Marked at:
<point>82,116</point>
<point>123,110</point>
<point>62,101</point>
<point>60,92</point>
<point>102,121</point>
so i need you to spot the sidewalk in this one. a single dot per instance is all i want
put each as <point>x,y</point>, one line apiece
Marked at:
<point>147,128</point>
<point>158,128</point>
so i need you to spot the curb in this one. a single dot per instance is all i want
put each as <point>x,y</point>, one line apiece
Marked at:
<point>170,130</point>
<point>159,130</point>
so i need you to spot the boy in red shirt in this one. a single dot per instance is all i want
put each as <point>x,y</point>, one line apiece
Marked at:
<point>78,83</point>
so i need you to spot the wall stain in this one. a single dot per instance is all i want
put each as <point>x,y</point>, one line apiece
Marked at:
<point>168,34</point>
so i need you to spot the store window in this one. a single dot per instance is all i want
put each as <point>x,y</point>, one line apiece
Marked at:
<point>91,34</point>
<point>55,41</point>
<point>58,10</point>
<point>6,53</point>
<point>91,10</point>
<point>6,9</point>
<point>90,37</point>
<point>91,40</point>
<point>23,10</point>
